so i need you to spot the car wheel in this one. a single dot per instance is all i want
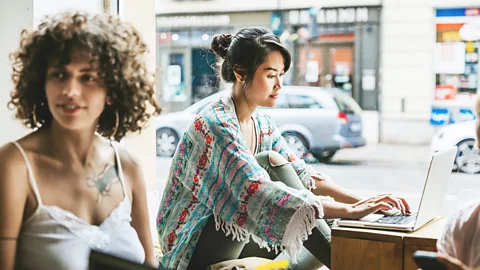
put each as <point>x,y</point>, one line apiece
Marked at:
<point>296,143</point>
<point>167,140</point>
<point>468,157</point>
<point>325,155</point>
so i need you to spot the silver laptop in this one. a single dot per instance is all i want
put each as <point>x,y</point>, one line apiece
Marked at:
<point>431,202</point>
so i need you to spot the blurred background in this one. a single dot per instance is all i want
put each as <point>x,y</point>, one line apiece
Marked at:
<point>375,86</point>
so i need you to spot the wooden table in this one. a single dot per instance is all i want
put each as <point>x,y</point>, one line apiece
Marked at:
<point>364,249</point>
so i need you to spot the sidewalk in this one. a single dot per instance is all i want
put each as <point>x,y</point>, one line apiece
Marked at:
<point>385,153</point>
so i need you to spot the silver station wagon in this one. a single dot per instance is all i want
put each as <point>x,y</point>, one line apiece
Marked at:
<point>312,119</point>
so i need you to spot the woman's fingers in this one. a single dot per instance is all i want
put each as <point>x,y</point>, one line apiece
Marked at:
<point>392,200</point>
<point>407,206</point>
<point>374,207</point>
<point>402,207</point>
<point>398,202</point>
<point>382,206</point>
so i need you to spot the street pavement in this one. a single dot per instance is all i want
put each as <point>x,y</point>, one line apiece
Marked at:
<point>382,168</point>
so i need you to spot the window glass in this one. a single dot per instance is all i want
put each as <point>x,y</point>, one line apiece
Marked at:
<point>303,102</point>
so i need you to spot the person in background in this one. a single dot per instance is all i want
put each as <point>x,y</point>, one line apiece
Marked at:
<point>234,179</point>
<point>459,245</point>
<point>68,187</point>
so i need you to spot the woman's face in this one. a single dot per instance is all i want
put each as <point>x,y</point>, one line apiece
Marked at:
<point>267,81</point>
<point>75,93</point>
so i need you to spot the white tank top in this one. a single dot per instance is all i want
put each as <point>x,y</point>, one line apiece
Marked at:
<point>53,238</point>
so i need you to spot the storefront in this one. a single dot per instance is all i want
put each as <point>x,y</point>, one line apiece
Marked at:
<point>336,47</point>
<point>456,65</point>
<point>186,64</point>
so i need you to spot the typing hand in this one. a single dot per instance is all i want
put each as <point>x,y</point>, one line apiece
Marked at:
<point>393,212</point>
<point>399,204</point>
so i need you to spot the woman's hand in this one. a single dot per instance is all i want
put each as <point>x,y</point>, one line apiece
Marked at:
<point>382,202</point>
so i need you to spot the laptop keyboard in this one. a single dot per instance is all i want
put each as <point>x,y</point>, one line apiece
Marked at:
<point>397,219</point>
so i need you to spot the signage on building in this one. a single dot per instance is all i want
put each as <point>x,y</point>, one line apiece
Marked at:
<point>458,12</point>
<point>331,15</point>
<point>192,21</point>
<point>439,116</point>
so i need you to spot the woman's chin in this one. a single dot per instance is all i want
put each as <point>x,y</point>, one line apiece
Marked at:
<point>269,103</point>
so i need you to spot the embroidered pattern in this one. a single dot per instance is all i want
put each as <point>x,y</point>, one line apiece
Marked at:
<point>214,173</point>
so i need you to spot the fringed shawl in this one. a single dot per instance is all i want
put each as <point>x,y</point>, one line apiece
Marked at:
<point>214,173</point>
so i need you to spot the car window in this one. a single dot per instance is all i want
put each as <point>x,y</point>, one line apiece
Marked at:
<point>303,102</point>
<point>346,103</point>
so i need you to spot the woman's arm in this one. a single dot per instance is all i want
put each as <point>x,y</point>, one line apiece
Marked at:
<point>140,218</point>
<point>320,184</point>
<point>13,197</point>
<point>324,186</point>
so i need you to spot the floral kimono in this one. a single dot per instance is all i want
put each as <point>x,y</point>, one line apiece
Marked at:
<point>214,173</point>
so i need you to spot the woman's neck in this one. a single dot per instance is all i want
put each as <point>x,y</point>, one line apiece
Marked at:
<point>243,107</point>
<point>76,147</point>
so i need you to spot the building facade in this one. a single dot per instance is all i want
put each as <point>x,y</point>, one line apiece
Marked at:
<point>330,46</point>
<point>392,56</point>
<point>412,55</point>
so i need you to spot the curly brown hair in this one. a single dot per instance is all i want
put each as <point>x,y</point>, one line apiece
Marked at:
<point>113,46</point>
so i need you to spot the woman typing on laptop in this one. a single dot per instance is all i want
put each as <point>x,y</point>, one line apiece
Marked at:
<point>233,178</point>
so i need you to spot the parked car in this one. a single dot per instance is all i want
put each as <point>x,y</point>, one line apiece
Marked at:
<point>461,134</point>
<point>311,119</point>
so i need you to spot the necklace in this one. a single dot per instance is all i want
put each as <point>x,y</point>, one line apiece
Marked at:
<point>254,138</point>
<point>252,144</point>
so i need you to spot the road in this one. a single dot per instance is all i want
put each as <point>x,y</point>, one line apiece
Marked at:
<point>368,178</point>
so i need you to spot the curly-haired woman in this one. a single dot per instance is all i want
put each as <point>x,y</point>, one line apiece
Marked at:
<point>68,187</point>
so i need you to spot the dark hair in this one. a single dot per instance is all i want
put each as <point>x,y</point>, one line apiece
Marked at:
<point>116,49</point>
<point>248,49</point>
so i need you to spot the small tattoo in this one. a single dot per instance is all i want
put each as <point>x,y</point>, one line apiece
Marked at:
<point>103,181</point>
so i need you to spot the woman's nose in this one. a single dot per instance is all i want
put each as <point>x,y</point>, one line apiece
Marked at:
<point>279,82</point>
<point>71,88</point>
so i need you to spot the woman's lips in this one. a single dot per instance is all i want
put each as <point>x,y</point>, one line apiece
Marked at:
<point>69,109</point>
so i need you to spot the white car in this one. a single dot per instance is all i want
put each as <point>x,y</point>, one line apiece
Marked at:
<point>312,119</point>
<point>461,134</point>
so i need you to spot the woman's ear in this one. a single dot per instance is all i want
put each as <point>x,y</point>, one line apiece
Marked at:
<point>239,73</point>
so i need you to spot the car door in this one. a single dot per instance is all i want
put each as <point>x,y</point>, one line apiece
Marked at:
<point>315,120</point>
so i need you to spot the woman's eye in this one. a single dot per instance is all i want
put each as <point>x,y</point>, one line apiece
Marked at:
<point>271,76</point>
<point>282,74</point>
<point>88,78</point>
<point>57,75</point>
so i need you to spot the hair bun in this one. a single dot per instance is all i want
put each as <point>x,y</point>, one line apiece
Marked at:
<point>220,44</point>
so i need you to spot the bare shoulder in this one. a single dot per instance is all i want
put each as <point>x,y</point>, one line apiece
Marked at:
<point>10,156</point>
<point>13,169</point>
<point>131,167</point>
